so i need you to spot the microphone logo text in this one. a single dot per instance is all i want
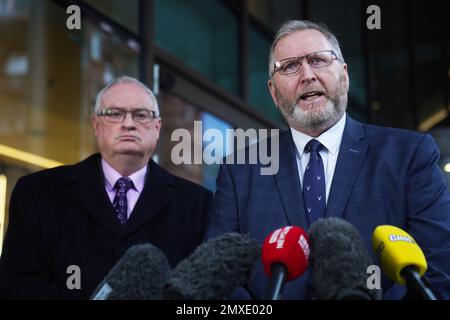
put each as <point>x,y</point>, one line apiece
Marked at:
<point>279,236</point>
<point>304,245</point>
<point>395,238</point>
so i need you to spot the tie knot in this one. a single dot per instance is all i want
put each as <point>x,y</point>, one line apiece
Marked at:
<point>123,184</point>
<point>313,145</point>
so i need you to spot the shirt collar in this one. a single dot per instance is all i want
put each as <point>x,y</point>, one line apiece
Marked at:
<point>330,139</point>
<point>111,177</point>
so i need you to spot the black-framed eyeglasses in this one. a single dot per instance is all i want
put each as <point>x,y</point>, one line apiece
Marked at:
<point>115,115</point>
<point>316,60</point>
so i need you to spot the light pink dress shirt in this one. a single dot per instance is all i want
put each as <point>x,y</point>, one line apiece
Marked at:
<point>111,177</point>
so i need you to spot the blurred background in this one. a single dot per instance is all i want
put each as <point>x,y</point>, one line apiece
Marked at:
<point>206,60</point>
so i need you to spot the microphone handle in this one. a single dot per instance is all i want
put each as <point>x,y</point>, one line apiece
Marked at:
<point>276,282</point>
<point>414,282</point>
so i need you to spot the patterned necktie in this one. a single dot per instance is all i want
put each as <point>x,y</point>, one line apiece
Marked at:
<point>314,183</point>
<point>120,203</point>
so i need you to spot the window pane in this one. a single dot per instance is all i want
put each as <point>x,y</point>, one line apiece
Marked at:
<point>429,87</point>
<point>123,12</point>
<point>221,148</point>
<point>389,64</point>
<point>272,13</point>
<point>203,35</point>
<point>178,113</point>
<point>259,95</point>
<point>49,82</point>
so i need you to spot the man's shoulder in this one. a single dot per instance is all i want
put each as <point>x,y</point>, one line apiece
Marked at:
<point>401,142</point>
<point>394,133</point>
<point>43,182</point>
<point>60,173</point>
<point>46,175</point>
<point>387,136</point>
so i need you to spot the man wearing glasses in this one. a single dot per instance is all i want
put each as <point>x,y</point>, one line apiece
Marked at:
<point>333,166</point>
<point>88,214</point>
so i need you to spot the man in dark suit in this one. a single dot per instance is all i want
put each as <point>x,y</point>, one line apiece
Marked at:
<point>90,213</point>
<point>333,166</point>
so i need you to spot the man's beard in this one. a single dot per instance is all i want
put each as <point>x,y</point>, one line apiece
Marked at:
<point>315,117</point>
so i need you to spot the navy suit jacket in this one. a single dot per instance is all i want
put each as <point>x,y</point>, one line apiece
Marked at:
<point>63,216</point>
<point>382,176</point>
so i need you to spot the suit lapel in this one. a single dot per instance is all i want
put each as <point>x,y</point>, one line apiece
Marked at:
<point>351,155</point>
<point>87,187</point>
<point>158,191</point>
<point>288,182</point>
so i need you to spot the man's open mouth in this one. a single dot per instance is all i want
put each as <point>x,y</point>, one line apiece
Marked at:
<point>311,95</point>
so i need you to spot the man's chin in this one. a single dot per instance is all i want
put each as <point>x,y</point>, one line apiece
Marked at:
<point>127,144</point>
<point>312,116</point>
<point>128,151</point>
<point>312,112</point>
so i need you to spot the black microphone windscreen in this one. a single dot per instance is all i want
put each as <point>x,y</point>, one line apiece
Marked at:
<point>139,275</point>
<point>215,269</point>
<point>339,261</point>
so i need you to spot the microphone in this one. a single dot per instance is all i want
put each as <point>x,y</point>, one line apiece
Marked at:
<point>139,275</point>
<point>339,262</point>
<point>285,257</point>
<point>214,270</point>
<point>401,259</point>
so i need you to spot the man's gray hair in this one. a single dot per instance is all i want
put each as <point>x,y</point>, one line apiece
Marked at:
<point>125,79</point>
<point>293,26</point>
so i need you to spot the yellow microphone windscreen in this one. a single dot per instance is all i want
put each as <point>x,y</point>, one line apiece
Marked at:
<point>396,249</point>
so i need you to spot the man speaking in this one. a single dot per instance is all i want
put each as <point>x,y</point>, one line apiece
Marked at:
<point>333,166</point>
<point>85,216</point>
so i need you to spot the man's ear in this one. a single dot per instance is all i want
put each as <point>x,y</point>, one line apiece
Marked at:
<point>158,126</point>
<point>94,121</point>
<point>272,91</point>
<point>347,79</point>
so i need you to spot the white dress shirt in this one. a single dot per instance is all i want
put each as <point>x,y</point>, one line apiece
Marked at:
<point>331,140</point>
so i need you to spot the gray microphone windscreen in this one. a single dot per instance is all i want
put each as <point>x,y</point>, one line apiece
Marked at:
<point>339,261</point>
<point>139,275</point>
<point>215,269</point>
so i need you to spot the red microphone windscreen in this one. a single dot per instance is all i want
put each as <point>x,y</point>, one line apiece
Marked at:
<point>288,246</point>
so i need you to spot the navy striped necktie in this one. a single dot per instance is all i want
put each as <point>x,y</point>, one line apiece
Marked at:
<point>314,183</point>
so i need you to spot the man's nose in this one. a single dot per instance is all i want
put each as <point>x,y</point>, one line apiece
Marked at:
<point>128,122</point>
<point>307,74</point>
